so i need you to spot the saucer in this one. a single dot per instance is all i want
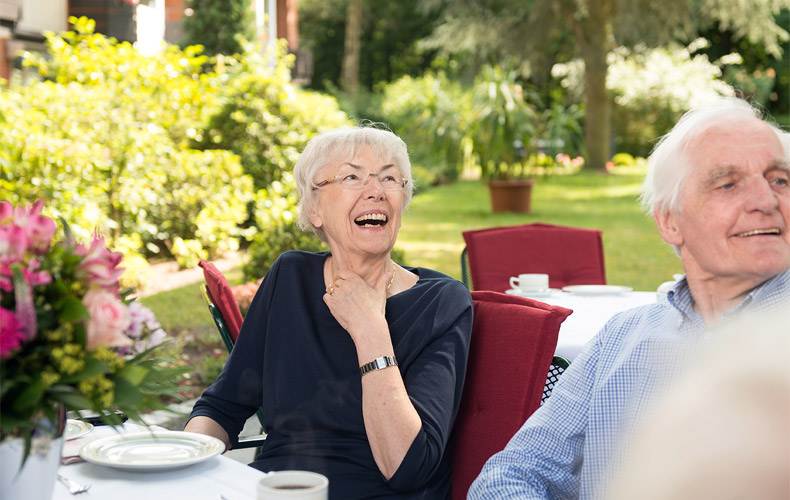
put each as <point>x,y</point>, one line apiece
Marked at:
<point>530,295</point>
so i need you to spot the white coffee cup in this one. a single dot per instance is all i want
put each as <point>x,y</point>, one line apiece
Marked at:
<point>293,485</point>
<point>530,282</point>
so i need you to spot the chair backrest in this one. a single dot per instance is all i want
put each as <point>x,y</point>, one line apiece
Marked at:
<point>569,255</point>
<point>226,315</point>
<point>513,342</point>
<point>221,295</point>
<point>558,365</point>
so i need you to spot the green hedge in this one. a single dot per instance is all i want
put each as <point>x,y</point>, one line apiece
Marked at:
<point>162,154</point>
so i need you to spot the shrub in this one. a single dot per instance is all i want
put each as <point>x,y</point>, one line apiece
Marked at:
<point>651,89</point>
<point>431,113</point>
<point>275,228</point>
<point>106,139</point>
<point>265,120</point>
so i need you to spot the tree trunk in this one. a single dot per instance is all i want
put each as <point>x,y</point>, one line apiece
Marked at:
<point>349,77</point>
<point>596,40</point>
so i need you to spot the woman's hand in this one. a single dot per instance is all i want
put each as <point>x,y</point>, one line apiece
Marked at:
<point>356,305</point>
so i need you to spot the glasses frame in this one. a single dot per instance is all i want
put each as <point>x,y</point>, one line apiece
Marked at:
<point>339,177</point>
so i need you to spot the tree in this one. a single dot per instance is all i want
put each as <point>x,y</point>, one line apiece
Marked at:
<point>537,31</point>
<point>215,24</point>
<point>349,78</point>
<point>389,33</point>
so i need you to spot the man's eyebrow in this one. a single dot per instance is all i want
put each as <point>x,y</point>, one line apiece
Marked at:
<point>779,164</point>
<point>719,172</point>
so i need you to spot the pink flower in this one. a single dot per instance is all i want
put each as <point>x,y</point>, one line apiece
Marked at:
<point>99,264</point>
<point>13,243</point>
<point>6,212</point>
<point>109,319</point>
<point>11,335</point>
<point>31,274</point>
<point>38,229</point>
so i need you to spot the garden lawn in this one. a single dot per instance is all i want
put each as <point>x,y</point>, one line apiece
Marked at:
<point>635,254</point>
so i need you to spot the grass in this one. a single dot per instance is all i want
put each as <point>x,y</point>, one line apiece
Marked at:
<point>635,254</point>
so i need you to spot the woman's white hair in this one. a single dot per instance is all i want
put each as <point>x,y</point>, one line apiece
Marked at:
<point>670,164</point>
<point>341,145</point>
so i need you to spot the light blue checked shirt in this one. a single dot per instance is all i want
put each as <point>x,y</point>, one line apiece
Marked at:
<point>569,447</point>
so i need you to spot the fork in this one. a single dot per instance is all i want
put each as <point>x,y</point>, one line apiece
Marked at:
<point>74,487</point>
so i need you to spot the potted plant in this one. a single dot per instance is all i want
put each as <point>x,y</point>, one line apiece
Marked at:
<point>503,122</point>
<point>69,340</point>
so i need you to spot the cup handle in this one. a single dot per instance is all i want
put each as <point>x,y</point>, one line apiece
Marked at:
<point>513,282</point>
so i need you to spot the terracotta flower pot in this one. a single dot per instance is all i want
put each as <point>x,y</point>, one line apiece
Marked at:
<point>511,195</point>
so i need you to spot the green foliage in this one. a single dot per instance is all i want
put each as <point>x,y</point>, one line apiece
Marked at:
<point>265,120</point>
<point>503,121</point>
<point>431,113</point>
<point>389,41</point>
<point>109,139</point>
<point>128,173</point>
<point>651,89</point>
<point>217,25</point>
<point>276,230</point>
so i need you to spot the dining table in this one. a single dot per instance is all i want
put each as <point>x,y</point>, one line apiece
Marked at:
<point>592,308</point>
<point>214,478</point>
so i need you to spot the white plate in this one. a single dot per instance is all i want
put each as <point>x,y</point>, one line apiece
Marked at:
<point>151,450</point>
<point>76,428</point>
<point>597,289</point>
<point>531,295</point>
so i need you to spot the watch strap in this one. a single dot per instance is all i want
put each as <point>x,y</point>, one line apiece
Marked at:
<point>378,364</point>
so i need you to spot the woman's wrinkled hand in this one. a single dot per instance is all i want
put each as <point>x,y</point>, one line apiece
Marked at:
<point>356,305</point>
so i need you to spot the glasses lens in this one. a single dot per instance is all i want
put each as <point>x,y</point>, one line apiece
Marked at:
<point>389,181</point>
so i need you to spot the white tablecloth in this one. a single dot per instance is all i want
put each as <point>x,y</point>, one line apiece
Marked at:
<point>590,313</point>
<point>203,481</point>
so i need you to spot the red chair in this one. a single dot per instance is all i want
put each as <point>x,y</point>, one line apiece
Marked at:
<point>222,297</point>
<point>227,317</point>
<point>569,255</point>
<point>513,342</point>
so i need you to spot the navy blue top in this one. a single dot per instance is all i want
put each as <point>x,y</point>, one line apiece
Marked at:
<point>295,359</point>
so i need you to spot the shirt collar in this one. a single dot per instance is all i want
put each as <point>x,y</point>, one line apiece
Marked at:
<point>763,297</point>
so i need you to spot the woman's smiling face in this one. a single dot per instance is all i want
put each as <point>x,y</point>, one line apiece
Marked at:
<point>362,221</point>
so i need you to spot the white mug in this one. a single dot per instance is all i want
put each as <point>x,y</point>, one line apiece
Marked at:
<point>293,485</point>
<point>530,282</point>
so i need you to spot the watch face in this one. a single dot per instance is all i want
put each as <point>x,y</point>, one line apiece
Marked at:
<point>381,363</point>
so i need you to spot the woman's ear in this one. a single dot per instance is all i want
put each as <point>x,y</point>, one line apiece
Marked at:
<point>666,220</point>
<point>315,219</point>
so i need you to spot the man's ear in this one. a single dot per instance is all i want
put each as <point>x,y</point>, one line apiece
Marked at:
<point>666,220</point>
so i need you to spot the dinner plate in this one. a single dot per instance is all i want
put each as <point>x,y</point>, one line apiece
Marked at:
<point>151,450</point>
<point>76,428</point>
<point>597,289</point>
<point>531,295</point>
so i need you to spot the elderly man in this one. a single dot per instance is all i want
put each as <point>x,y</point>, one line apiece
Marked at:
<point>718,189</point>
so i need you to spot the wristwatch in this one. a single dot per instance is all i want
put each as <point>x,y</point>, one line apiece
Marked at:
<point>378,364</point>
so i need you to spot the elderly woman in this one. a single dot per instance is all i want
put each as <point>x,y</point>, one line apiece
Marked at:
<point>358,362</point>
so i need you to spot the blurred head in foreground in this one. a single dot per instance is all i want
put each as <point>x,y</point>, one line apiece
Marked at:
<point>723,430</point>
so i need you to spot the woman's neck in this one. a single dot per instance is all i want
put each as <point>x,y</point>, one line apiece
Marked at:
<point>370,270</point>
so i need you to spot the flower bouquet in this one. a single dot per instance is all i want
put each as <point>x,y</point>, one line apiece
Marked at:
<point>69,338</point>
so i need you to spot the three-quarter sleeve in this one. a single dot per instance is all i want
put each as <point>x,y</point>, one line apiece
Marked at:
<point>434,381</point>
<point>238,391</point>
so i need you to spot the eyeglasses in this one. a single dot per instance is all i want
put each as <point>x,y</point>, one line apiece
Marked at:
<point>388,181</point>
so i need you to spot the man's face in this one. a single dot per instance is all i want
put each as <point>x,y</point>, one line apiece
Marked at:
<point>734,223</point>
